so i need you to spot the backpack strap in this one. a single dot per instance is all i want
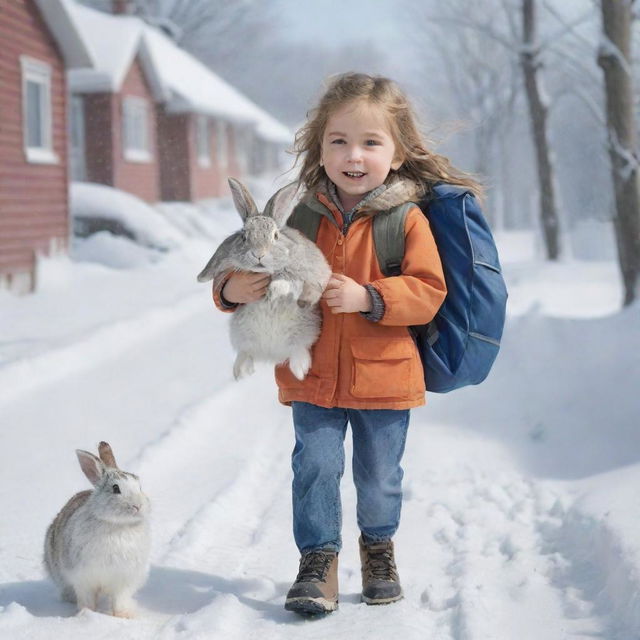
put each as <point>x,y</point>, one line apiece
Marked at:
<point>305,220</point>
<point>388,238</point>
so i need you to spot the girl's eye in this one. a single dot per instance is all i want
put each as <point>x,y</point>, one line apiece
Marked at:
<point>116,488</point>
<point>372,143</point>
<point>338,141</point>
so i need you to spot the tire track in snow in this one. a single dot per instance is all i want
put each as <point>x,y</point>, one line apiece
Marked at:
<point>95,347</point>
<point>225,475</point>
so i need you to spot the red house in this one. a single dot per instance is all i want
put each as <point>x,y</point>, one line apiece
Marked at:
<point>112,107</point>
<point>37,45</point>
<point>150,119</point>
<point>90,96</point>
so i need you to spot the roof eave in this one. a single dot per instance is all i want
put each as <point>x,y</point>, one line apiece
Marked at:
<point>72,46</point>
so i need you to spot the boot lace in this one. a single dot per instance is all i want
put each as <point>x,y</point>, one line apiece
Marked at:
<point>381,564</point>
<point>314,566</point>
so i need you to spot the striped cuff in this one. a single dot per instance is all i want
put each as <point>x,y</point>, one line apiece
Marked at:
<point>377,305</point>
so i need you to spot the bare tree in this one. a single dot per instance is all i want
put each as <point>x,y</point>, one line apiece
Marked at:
<point>512,24</point>
<point>614,57</point>
<point>538,112</point>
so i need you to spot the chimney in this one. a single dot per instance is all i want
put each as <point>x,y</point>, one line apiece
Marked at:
<point>121,7</point>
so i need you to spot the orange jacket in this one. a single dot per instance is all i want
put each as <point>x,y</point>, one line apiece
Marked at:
<point>357,363</point>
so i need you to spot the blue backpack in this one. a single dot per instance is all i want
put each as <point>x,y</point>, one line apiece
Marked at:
<point>458,347</point>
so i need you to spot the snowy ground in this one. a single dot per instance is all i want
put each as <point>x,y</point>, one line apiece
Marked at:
<point>520,518</point>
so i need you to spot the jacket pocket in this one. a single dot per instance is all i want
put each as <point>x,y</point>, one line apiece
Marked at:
<point>382,367</point>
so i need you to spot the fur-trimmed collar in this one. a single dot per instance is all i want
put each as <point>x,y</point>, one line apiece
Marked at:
<point>396,192</point>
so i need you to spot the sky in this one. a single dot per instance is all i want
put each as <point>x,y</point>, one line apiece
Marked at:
<point>335,21</point>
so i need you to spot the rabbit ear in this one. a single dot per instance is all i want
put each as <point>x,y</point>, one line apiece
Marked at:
<point>281,204</point>
<point>91,466</point>
<point>216,263</point>
<point>245,204</point>
<point>106,455</point>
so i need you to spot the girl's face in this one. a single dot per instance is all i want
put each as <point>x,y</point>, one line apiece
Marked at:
<point>358,151</point>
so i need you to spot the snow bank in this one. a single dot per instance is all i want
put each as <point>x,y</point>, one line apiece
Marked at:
<point>96,207</point>
<point>601,538</point>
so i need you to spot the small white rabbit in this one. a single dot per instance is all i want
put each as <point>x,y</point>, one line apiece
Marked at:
<point>285,322</point>
<point>98,545</point>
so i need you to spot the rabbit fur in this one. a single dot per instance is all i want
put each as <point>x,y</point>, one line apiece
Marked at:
<point>98,545</point>
<point>285,322</point>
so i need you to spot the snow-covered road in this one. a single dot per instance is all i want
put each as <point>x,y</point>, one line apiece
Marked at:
<point>486,549</point>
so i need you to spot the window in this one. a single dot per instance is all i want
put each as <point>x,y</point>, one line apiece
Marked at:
<point>221,143</point>
<point>77,151</point>
<point>36,111</point>
<point>135,124</point>
<point>203,141</point>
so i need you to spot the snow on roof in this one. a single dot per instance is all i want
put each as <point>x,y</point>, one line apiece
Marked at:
<point>177,78</point>
<point>74,50</point>
<point>194,87</point>
<point>112,41</point>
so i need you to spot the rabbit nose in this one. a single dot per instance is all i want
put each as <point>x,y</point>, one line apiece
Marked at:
<point>258,254</point>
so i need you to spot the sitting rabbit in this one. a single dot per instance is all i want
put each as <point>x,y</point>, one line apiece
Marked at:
<point>99,543</point>
<point>285,322</point>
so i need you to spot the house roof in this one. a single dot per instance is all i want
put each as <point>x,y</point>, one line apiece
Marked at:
<point>72,46</point>
<point>177,79</point>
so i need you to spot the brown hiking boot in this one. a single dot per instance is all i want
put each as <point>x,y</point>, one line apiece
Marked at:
<point>380,582</point>
<point>316,587</point>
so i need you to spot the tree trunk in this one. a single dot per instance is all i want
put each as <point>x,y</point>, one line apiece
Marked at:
<point>538,115</point>
<point>614,58</point>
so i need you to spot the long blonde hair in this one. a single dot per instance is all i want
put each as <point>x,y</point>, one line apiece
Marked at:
<point>422,166</point>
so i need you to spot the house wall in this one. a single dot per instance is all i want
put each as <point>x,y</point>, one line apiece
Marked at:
<point>206,181</point>
<point>234,168</point>
<point>140,178</point>
<point>34,205</point>
<point>99,152</point>
<point>173,155</point>
<point>182,177</point>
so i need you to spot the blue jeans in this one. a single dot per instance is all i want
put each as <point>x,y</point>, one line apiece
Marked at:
<point>379,437</point>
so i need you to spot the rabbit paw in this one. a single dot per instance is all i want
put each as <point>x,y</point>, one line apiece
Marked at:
<point>279,288</point>
<point>310,293</point>
<point>243,366</point>
<point>300,363</point>
<point>123,607</point>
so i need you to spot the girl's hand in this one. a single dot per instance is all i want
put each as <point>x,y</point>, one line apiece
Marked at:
<point>245,286</point>
<point>345,295</point>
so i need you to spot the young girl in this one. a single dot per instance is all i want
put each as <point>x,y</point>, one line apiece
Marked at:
<point>362,155</point>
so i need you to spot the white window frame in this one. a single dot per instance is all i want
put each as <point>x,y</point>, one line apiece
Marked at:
<point>38,72</point>
<point>136,144</point>
<point>203,141</point>
<point>222,143</point>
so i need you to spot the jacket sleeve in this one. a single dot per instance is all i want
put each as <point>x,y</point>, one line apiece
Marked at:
<point>415,296</point>
<point>218,299</point>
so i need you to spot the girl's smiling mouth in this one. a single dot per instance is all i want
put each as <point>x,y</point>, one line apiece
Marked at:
<point>354,174</point>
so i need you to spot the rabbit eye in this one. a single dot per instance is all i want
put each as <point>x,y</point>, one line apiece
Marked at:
<point>276,235</point>
<point>116,489</point>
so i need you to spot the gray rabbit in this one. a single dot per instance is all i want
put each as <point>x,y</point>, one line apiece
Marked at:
<point>283,325</point>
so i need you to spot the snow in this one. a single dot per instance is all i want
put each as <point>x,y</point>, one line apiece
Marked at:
<point>90,201</point>
<point>112,43</point>
<point>520,502</point>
